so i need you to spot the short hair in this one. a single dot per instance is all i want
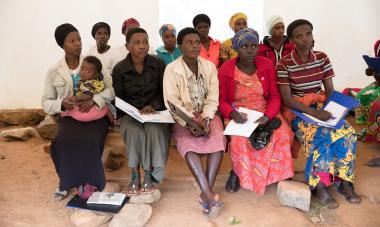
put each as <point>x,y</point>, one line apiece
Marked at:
<point>201,18</point>
<point>183,32</point>
<point>133,31</point>
<point>95,61</point>
<point>292,26</point>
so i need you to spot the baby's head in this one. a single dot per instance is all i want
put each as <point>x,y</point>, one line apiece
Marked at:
<point>91,69</point>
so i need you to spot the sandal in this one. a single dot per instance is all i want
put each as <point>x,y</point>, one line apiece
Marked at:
<point>347,189</point>
<point>59,195</point>
<point>233,182</point>
<point>204,204</point>
<point>148,185</point>
<point>133,188</point>
<point>324,197</point>
<point>214,211</point>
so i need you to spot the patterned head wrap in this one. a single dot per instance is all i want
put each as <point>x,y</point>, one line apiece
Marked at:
<point>236,17</point>
<point>167,27</point>
<point>62,31</point>
<point>128,22</point>
<point>273,21</point>
<point>243,36</point>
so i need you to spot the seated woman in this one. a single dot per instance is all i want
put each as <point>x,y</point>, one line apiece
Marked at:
<point>330,153</point>
<point>169,51</point>
<point>191,83</point>
<point>78,146</point>
<point>108,56</point>
<point>249,81</point>
<point>209,47</point>
<point>138,81</point>
<point>276,45</point>
<point>237,22</point>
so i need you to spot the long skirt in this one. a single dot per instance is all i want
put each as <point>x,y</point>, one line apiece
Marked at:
<point>146,145</point>
<point>258,168</point>
<point>212,143</point>
<point>77,151</point>
<point>330,153</point>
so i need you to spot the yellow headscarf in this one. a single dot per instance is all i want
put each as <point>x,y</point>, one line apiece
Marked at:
<point>236,17</point>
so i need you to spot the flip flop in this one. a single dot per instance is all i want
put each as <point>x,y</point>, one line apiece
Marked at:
<point>133,189</point>
<point>149,188</point>
<point>59,195</point>
<point>214,211</point>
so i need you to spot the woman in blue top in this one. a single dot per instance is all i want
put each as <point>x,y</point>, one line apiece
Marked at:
<point>169,51</point>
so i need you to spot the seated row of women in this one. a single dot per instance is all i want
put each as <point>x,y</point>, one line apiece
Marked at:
<point>195,85</point>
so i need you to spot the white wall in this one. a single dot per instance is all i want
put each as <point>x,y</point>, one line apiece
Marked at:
<point>28,46</point>
<point>344,29</point>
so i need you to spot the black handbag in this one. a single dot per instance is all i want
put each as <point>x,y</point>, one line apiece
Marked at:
<point>262,134</point>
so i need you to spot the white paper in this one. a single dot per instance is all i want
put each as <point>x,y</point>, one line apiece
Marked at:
<point>245,129</point>
<point>109,198</point>
<point>159,117</point>
<point>337,111</point>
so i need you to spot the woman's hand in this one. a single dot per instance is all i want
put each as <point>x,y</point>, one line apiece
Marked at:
<point>238,117</point>
<point>69,102</point>
<point>205,125</point>
<point>322,115</point>
<point>194,131</point>
<point>148,110</point>
<point>262,120</point>
<point>85,106</point>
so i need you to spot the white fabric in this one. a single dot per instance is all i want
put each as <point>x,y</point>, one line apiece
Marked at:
<point>272,21</point>
<point>108,59</point>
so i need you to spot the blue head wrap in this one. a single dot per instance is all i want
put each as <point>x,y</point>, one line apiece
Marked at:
<point>167,27</point>
<point>243,36</point>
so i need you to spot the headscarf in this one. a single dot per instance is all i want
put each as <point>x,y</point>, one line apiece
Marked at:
<point>272,22</point>
<point>62,31</point>
<point>128,22</point>
<point>243,36</point>
<point>98,26</point>
<point>236,17</point>
<point>183,32</point>
<point>201,18</point>
<point>167,27</point>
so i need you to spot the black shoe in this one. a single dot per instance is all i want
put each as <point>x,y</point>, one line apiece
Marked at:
<point>262,134</point>
<point>347,189</point>
<point>233,182</point>
<point>325,197</point>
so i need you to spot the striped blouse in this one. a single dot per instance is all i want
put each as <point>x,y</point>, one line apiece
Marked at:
<point>304,78</point>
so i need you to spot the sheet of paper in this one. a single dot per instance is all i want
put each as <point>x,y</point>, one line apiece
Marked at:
<point>246,129</point>
<point>336,110</point>
<point>159,117</point>
<point>110,198</point>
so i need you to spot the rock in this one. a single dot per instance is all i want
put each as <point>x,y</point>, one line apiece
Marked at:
<point>22,116</point>
<point>18,133</point>
<point>146,197</point>
<point>85,218</point>
<point>47,128</point>
<point>112,187</point>
<point>113,157</point>
<point>132,215</point>
<point>294,194</point>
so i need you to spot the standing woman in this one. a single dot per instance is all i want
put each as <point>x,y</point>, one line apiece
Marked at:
<point>249,81</point>
<point>331,153</point>
<point>138,81</point>
<point>108,56</point>
<point>78,146</point>
<point>191,83</point>
<point>169,51</point>
<point>209,47</point>
<point>276,45</point>
<point>238,21</point>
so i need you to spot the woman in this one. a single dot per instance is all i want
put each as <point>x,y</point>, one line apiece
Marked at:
<point>78,146</point>
<point>209,47</point>
<point>108,56</point>
<point>249,81</point>
<point>276,45</point>
<point>191,83</point>
<point>138,81</point>
<point>169,51</point>
<point>238,21</point>
<point>330,153</point>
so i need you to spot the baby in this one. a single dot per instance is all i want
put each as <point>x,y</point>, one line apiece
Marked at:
<point>90,83</point>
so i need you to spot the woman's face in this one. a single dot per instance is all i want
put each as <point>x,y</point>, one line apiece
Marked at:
<point>73,44</point>
<point>302,37</point>
<point>102,36</point>
<point>87,71</point>
<point>169,40</point>
<point>191,45</point>
<point>278,30</point>
<point>248,52</point>
<point>240,24</point>
<point>203,30</point>
<point>138,45</point>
